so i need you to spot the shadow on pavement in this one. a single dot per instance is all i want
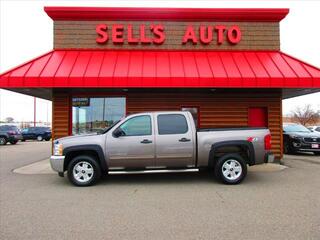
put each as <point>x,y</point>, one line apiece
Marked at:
<point>185,178</point>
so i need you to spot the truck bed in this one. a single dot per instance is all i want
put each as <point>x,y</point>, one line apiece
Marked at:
<point>229,129</point>
<point>208,137</point>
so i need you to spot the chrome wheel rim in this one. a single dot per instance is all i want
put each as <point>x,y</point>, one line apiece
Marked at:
<point>39,138</point>
<point>2,141</point>
<point>231,169</point>
<point>83,172</point>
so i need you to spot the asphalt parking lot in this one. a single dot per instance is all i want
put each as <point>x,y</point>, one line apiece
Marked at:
<point>267,205</point>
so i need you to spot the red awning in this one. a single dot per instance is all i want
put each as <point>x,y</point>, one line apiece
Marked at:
<point>162,69</point>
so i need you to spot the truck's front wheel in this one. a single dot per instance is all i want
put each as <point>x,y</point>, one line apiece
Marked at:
<point>230,169</point>
<point>83,171</point>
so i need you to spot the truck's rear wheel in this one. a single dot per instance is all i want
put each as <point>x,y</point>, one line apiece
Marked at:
<point>84,170</point>
<point>230,169</point>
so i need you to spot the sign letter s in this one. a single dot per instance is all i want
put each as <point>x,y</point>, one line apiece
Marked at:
<point>158,31</point>
<point>101,30</point>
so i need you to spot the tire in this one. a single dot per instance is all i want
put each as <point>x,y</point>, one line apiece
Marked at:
<point>39,138</point>
<point>3,141</point>
<point>14,142</point>
<point>316,153</point>
<point>87,163</point>
<point>237,169</point>
<point>286,148</point>
<point>47,139</point>
<point>23,140</point>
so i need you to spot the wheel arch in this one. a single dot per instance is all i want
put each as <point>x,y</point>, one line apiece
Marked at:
<point>242,145</point>
<point>90,149</point>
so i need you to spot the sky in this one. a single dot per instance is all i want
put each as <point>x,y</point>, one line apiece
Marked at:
<point>27,32</point>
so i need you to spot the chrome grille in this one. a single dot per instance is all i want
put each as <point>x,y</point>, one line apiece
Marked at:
<point>312,140</point>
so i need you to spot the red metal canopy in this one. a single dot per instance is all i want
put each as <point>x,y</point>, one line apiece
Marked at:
<point>174,14</point>
<point>163,69</point>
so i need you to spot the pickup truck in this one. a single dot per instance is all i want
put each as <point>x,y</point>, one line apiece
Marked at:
<point>161,141</point>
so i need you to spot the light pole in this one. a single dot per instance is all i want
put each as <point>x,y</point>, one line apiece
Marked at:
<point>47,114</point>
<point>34,111</point>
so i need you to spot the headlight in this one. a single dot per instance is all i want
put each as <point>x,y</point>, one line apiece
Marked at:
<point>57,149</point>
<point>295,137</point>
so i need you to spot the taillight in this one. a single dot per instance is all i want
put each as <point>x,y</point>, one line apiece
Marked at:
<point>267,142</point>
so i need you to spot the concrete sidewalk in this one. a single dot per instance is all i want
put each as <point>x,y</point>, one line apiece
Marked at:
<point>40,167</point>
<point>43,167</point>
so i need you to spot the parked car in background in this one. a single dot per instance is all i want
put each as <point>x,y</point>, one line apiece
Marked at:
<point>314,128</point>
<point>9,134</point>
<point>297,138</point>
<point>36,133</point>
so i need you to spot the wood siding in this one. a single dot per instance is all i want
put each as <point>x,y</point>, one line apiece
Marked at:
<point>60,114</point>
<point>82,34</point>
<point>216,110</point>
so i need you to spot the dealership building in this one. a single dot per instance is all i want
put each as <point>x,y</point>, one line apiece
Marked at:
<point>223,65</point>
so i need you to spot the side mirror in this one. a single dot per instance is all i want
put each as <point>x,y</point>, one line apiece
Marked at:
<point>118,133</point>
<point>99,131</point>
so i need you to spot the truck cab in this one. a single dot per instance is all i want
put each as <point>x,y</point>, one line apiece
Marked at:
<point>152,140</point>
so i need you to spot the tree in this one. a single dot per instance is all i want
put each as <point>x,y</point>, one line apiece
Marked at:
<point>9,119</point>
<point>305,115</point>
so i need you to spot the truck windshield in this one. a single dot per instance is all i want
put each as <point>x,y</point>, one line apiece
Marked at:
<point>295,128</point>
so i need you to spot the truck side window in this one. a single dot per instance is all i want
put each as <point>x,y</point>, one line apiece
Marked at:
<point>137,126</point>
<point>172,124</point>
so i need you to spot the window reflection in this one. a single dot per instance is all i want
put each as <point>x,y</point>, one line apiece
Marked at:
<point>95,114</point>
<point>137,126</point>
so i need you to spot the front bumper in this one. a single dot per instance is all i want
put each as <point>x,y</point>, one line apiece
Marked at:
<point>305,147</point>
<point>57,163</point>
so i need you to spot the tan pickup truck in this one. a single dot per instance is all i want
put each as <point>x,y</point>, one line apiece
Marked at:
<point>167,141</point>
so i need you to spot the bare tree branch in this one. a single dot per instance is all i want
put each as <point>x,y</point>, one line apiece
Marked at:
<point>305,115</point>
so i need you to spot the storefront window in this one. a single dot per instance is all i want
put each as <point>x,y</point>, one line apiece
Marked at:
<point>95,114</point>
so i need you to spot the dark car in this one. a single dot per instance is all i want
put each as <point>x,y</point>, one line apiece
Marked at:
<point>36,133</point>
<point>297,138</point>
<point>10,134</point>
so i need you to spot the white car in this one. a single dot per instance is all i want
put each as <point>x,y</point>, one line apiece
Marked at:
<point>314,128</point>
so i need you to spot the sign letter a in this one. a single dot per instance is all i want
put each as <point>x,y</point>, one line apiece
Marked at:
<point>189,36</point>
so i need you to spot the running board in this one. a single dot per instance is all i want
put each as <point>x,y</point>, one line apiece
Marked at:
<point>146,171</point>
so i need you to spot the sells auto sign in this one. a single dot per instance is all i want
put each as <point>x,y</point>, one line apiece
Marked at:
<point>155,34</point>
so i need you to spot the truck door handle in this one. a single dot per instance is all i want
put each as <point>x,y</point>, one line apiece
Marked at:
<point>146,141</point>
<point>184,140</point>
